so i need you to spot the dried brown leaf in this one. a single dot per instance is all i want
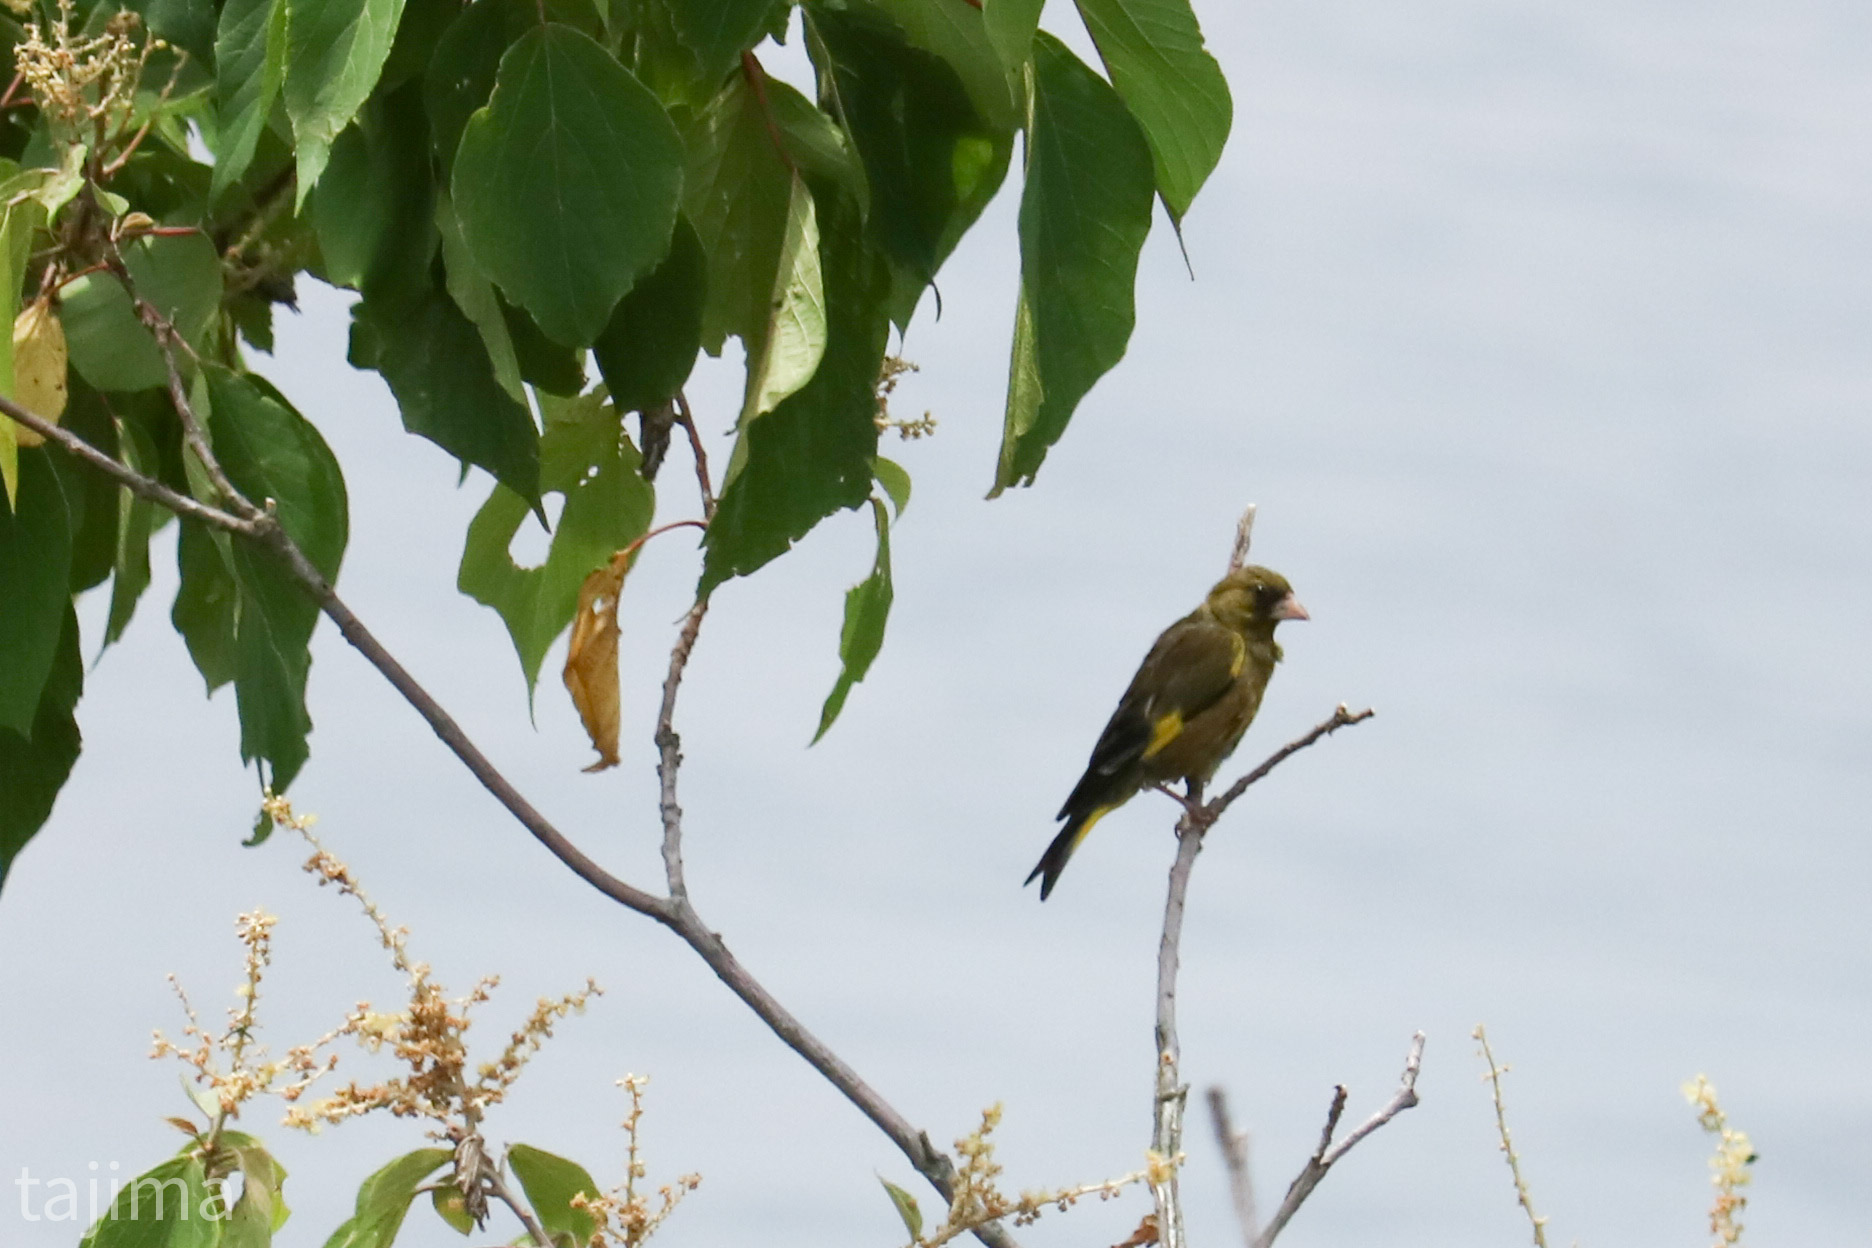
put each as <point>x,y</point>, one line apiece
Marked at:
<point>1146,1233</point>
<point>591,669</point>
<point>38,365</point>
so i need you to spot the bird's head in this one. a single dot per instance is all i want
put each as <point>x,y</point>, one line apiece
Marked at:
<point>1254,599</point>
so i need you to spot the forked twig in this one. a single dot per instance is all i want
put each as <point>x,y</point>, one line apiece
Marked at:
<point>1328,1154</point>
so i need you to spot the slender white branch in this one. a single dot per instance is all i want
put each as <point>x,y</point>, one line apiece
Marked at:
<point>1244,534</point>
<point>1327,1154</point>
<point>1169,1093</point>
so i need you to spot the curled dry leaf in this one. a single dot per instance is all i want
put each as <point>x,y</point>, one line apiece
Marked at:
<point>591,669</point>
<point>1146,1233</point>
<point>38,365</point>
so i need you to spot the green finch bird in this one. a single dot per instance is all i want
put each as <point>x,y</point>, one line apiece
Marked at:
<point>1186,710</point>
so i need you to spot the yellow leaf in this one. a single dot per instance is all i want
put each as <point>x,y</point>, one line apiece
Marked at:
<point>591,669</point>
<point>38,365</point>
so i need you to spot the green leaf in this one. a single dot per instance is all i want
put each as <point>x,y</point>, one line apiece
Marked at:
<point>474,294</point>
<point>135,518</point>
<point>335,50</point>
<point>649,346</point>
<point>35,765</point>
<point>794,339</point>
<point>374,209</point>
<point>187,25</point>
<point>461,73</point>
<point>17,222</point>
<point>167,1206</point>
<point>179,276</point>
<point>270,451</point>
<point>445,386</point>
<point>1154,51</point>
<point>718,31</point>
<point>450,1206</point>
<point>1010,25</point>
<point>421,25</point>
<point>931,160</point>
<point>605,510</point>
<point>737,188</point>
<point>250,65</point>
<point>544,364</point>
<point>567,182</point>
<point>811,456</point>
<point>550,1184</point>
<point>906,1208</point>
<point>35,571</point>
<point>205,604</point>
<point>261,1209</point>
<point>1084,215</point>
<point>384,1199</point>
<point>895,480</point>
<point>867,608</point>
<point>92,495</point>
<point>963,38</point>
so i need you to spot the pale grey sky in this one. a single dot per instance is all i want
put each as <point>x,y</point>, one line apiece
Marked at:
<point>1540,334</point>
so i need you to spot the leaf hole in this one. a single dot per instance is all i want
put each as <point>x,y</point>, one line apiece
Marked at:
<point>530,542</point>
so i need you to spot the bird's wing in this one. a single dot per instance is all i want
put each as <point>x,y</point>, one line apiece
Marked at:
<point>1192,665</point>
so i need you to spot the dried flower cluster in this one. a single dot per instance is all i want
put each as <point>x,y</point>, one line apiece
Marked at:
<point>428,1037</point>
<point>86,85</point>
<point>1730,1165</point>
<point>230,1065</point>
<point>623,1216</point>
<point>978,1201</point>
<point>909,430</point>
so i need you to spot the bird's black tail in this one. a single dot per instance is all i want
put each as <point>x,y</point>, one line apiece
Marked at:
<point>1051,863</point>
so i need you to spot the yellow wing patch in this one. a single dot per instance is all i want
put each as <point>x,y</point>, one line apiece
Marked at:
<point>1167,729</point>
<point>1239,659</point>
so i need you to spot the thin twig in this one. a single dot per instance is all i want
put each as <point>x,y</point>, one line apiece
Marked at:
<point>1234,1146</point>
<point>1170,1094</point>
<point>1244,534</point>
<point>669,753</point>
<point>147,488</point>
<point>686,419</point>
<point>1328,1154</point>
<point>498,1189</point>
<point>1522,1195</point>
<point>1340,718</point>
<point>164,331</point>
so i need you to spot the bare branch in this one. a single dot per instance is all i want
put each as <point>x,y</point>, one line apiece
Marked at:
<point>1170,1094</point>
<point>167,337</point>
<point>1234,1146</point>
<point>143,487</point>
<point>1522,1195</point>
<point>686,419</point>
<point>498,1189</point>
<point>1340,718</point>
<point>669,753</point>
<point>1328,1154</point>
<point>1244,534</point>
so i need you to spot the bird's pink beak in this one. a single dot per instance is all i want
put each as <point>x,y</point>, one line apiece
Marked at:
<point>1289,608</point>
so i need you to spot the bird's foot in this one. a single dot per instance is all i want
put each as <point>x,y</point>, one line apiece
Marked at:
<point>1195,813</point>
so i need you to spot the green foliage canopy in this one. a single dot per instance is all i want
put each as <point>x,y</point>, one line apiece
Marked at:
<point>517,189</point>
